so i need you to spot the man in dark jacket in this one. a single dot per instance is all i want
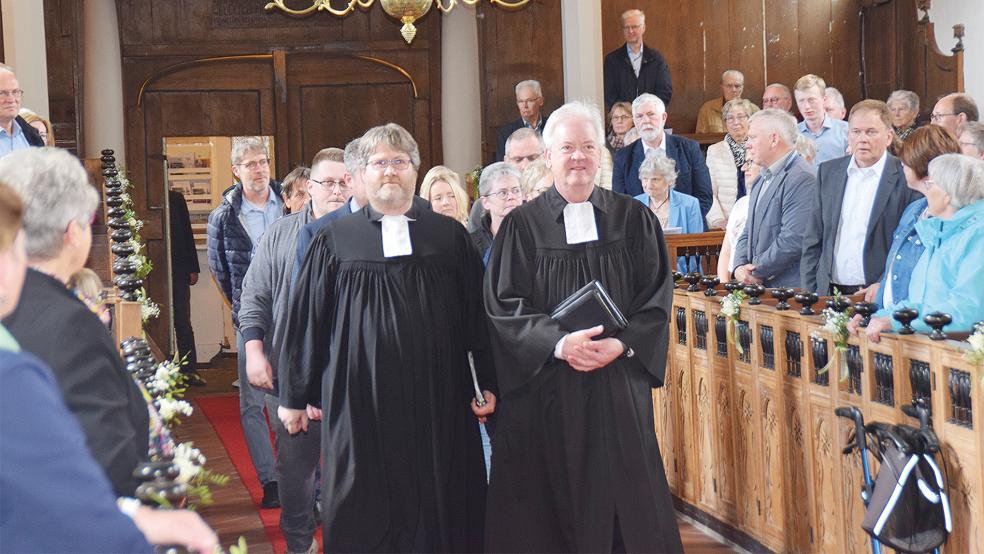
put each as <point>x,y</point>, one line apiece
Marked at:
<point>184,274</point>
<point>693,178</point>
<point>634,68</point>
<point>234,229</point>
<point>15,133</point>
<point>529,100</point>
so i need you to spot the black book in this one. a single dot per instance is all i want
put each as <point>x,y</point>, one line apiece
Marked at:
<point>589,307</point>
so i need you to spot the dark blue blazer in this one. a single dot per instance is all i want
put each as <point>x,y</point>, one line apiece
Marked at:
<point>306,233</point>
<point>692,175</point>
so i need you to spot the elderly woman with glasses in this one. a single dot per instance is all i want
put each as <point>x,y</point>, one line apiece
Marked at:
<point>948,276</point>
<point>442,188</point>
<point>904,107</point>
<point>677,212</point>
<point>619,123</point>
<point>725,160</point>
<point>54,325</point>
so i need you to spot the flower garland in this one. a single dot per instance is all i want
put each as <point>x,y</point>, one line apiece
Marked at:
<point>731,309</point>
<point>976,353</point>
<point>148,308</point>
<point>835,323</point>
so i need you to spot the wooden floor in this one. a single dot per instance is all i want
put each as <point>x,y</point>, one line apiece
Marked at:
<point>233,513</point>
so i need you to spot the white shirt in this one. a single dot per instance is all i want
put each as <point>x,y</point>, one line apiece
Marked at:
<point>736,224</point>
<point>852,230</point>
<point>635,59</point>
<point>646,148</point>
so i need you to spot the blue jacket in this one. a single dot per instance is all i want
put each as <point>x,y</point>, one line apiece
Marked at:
<point>905,251</point>
<point>684,213</point>
<point>307,231</point>
<point>948,277</point>
<point>230,247</point>
<point>54,497</point>
<point>692,175</point>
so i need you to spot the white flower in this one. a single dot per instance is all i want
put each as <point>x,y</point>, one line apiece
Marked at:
<point>189,461</point>
<point>170,408</point>
<point>977,341</point>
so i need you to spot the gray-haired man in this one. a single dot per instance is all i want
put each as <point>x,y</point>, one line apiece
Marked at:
<point>529,100</point>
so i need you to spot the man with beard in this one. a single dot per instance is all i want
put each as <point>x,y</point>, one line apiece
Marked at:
<point>385,307</point>
<point>693,178</point>
<point>576,463</point>
<point>262,318</point>
<point>234,229</point>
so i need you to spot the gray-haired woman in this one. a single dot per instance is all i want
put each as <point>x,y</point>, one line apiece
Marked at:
<point>904,107</point>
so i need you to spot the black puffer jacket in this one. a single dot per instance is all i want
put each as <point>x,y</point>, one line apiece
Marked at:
<point>230,248</point>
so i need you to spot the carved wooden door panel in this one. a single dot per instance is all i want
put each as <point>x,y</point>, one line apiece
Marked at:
<point>748,488</point>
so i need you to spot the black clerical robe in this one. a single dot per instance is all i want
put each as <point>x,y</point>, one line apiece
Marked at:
<point>381,344</point>
<point>576,452</point>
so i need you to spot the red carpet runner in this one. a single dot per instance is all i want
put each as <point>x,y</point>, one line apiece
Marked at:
<point>223,413</point>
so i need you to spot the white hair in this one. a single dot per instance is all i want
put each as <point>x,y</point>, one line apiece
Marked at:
<point>494,173</point>
<point>648,98</point>
<point>634,13</point>
<point>657,164</point>
<point>733,73</point>
<point>56,191</point>
<point>836,96</point>
<point>529,83</point>
<point>961,177</point>
<point>577,109</point>
<point>910,98</point>
<point>523,133</point>
<point>351,157</point>
<point>778,121</point>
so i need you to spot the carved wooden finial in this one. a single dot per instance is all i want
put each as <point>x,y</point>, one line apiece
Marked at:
<point>958,33</point>
<point>924,6</point>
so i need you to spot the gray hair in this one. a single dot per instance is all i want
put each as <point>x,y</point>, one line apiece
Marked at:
<point>392,134</point>
<point>657,164</point>
<point>577,109</point>
<point>648,98</point>
<point>733,73</point>
<point>743,103</point>
<point>351,157</point>
<point>781,87</point>
<point>834,95</point>
<point>524,133</point>
<point>634,13</point>
<point>910,98</point>
<point>961,177</point>
<point>241,146</point>
<point>493,173</point>
<point>56,191</point>
<point>973,130</point>
<point>5,67</point>
<point>778,121</point>
<point>529,83</point>
<point>806,147</point>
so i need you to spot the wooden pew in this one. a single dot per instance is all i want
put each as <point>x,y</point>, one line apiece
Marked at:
<point>750,440</point>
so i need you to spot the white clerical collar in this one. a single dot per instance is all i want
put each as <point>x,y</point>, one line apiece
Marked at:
<point>579,223</point>
<point>396,236</point>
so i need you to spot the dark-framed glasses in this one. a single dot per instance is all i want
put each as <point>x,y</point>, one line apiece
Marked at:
<point>505,193</point>
<point>328,185</point>
<point>255,164</point>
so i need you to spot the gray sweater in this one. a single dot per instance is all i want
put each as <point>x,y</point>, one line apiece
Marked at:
<point>266,286</point>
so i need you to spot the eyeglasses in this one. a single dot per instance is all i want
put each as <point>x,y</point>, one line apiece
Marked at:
<point>398,164</point>
<point>505,193</point>
<point>939,116</point>
<point>621,117</point>
<point>255,164</point>
<point>974,144</point>
<point>329,185</point>
<point>736,118</point>
<point>527,101</point>
<point>520,159</point>
<point>631,27</point>
<point>16,93</point>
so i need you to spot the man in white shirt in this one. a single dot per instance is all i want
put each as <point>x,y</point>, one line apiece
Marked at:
<point>15,133</point>
<point>857,208</point>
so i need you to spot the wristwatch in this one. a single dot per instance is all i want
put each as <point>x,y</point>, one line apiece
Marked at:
<point>627,352</point>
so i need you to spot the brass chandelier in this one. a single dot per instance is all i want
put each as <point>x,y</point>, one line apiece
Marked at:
<point>407,11</point>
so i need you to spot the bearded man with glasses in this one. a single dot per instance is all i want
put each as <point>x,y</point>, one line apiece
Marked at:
<point>235,228</point>
<point>15,133</point>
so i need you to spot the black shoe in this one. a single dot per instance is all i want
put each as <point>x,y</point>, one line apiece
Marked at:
<point>195,379</point>
<point>271,495</point>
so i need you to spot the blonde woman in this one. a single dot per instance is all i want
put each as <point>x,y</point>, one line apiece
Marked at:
<point>40,124</point>
<point>537,178</point>
<point>442,188</point>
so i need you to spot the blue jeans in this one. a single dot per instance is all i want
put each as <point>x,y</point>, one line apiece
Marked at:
<point>253,420</point>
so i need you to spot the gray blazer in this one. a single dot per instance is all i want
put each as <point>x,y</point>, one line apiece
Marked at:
<point>773,236</point>
<point>891,199</point>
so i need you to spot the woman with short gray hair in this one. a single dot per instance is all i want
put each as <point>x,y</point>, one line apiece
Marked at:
<point>904,107</point>
<point>725,160</point>
<point>677,212</point>
<point>948,276</point>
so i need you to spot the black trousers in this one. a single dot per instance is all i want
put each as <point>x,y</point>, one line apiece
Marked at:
<point>184,334</point>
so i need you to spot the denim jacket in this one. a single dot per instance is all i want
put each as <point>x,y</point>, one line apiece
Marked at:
<point>948,277</point>
<point>906,249</point>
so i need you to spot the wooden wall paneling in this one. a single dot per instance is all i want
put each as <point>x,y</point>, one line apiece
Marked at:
<point>782,46</point>
<point>724,481</point>
<point>883,27</point>
<point>746,48</point>
<point>797,456</point>
<point>515,45</point>
<point>845,37</point>
<point>63,50</point>
<point>704,406</point>
<point>685,460</point>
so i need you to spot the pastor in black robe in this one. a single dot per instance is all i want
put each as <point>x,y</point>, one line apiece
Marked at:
<point>575,464</point>
<point>382,344</point>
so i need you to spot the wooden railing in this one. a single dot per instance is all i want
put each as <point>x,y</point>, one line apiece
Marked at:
<point>704,246</point>
<point>750,438</point>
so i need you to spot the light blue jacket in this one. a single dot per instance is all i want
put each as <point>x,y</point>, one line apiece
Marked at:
<point>684,213</point>
<point>949,277</point>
